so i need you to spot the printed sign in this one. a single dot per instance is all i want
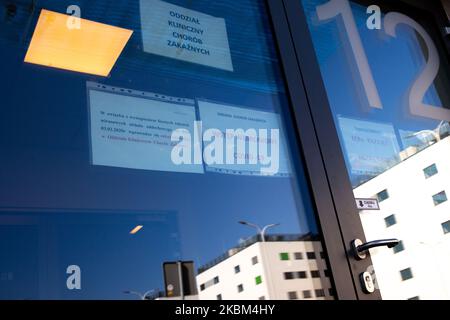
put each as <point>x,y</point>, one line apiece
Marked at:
<point>134,130</point>
<point>257,153</point>
<point>176,32</point>
<point>367,204</point>
<point>370,147</point>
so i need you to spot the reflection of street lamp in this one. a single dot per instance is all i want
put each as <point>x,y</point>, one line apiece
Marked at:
<point>140,295</point>
<point>424,134</point>
<point>260,231</point>
<point>263,251</point>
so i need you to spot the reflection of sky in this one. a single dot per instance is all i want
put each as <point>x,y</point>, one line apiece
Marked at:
<point>395,64</point>
<point>40,249</point>
<point>45,162</point>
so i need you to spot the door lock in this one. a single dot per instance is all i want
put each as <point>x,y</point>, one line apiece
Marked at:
<point>360,249</point>
<point>367,282</point>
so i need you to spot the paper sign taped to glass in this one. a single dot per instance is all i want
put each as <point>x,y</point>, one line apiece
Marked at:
<point>259,155</point>
<point>371,147</point>
<point>133,129</point>
<point>179,33</point>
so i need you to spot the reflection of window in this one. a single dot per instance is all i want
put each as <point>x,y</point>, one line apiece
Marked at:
<point>382,195</point>
<point>439,198</point>
<point>284,256</point>
<point>258,280</point>
<point>406,274</point>
<point>237,269</point>
<point>240,288</point>
<point>446,227</point>
<point>399,247</point>
<point>315,274</point>
<point>295,275</point>
<point>219,297</point>
<point>298,255</point>
<point>209,283</point>
<point>311,255</point>
<point>254,260</point>
<point>292,295</point>
<point>306,294</point>
<point>320,293</point>
<point>331,292</point>
<point>390,220</point>
<point>430,171</point>
<point>288,275</point>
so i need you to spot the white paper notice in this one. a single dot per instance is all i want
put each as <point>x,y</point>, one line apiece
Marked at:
<point>133,132</point>
<point>224,118</point>
<point>371,147</point>
<point>176,32</point>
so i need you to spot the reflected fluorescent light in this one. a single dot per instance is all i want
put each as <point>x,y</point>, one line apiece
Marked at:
<point>92,48</point>
<point>136,229</point>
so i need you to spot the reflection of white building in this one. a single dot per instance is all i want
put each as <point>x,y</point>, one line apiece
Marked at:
<point>283,267</point>
<point>414,209</point>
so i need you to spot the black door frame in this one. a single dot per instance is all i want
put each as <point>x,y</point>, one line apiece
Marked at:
<point>344,281</point>
<point>324,160</point>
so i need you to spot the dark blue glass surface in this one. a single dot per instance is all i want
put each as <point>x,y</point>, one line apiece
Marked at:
<point>58,209</point>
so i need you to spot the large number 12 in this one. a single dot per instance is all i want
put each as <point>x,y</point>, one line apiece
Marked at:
<point>421,84</point>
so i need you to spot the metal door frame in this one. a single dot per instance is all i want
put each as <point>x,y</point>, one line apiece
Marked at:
<point>312,154</point>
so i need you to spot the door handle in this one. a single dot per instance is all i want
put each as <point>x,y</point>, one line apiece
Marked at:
<point>360,249</point>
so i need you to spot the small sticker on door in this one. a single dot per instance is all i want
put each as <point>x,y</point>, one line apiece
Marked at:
<point>367,204</point>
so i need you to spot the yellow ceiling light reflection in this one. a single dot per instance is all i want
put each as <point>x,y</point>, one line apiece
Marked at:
<point>136,229</point>
<point>92,48</point>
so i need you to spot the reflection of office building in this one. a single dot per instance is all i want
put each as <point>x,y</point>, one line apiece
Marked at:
<point>414,209</point>
<point>283,267</point>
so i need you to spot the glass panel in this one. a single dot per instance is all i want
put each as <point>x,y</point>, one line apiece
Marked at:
<point>301,275</point>
<point>139,133</point>
<point>446,227</point>
<point>298,255</point>
<point>386,74</point>
<point>439,198</point>
<point>292,295</point>
<point>398,248</point>
<point>320,293</point>
<point>383,195</point>
<point>430,171</point>
<point>284,256</point>
<point>406,274</point>
<point>390,220</point>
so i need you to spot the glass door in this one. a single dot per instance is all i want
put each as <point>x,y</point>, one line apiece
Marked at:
<point>383,69</point>
<point>138,136</point>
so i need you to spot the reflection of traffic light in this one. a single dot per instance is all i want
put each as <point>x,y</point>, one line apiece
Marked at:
<point>169,290</point>
<point>179,275</point>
